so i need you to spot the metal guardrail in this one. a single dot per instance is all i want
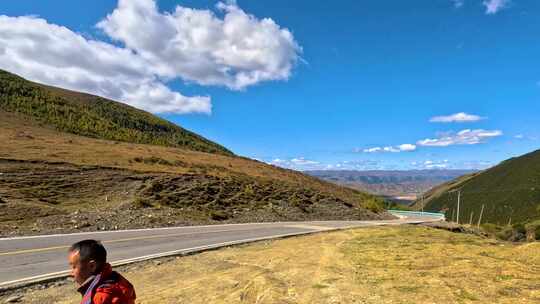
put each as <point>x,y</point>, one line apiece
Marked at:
<point>433,214</point>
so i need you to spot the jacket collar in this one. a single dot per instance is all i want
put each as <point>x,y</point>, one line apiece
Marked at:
<point>84,286</point>
<point>105,273</point>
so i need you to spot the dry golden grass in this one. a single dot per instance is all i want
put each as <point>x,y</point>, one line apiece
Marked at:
<point>43,185</point>
<point>23,139</point>
<point>375,265</point>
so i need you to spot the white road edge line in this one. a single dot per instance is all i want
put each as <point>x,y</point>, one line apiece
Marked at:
<point>65,273</point>
<point>62,274</point>
<point>125,230</point>
<point>156,229</point>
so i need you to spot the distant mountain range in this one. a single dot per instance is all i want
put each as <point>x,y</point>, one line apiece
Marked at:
<point>401,185</point>
<point>509,192</point>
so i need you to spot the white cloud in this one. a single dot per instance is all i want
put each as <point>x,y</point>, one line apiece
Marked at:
<point>392,149</point>
<point>437,166</point>
<point>458,117</point>
<point>235,51</point>
<point>458,3</point>
<point>303,164</point>
<point>297,163</point>
<point>407,147</point>
<point>525,137</point>
<point>373,150</point>
<point>493,6</point>
<point>302,161</point>
<point>464,137</point>
<point>54,55</point>
<point>446,164</point>
<point>429,164</point>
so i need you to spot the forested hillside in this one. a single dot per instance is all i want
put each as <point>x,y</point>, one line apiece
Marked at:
<point>93,116</point>
<point>510,192</point>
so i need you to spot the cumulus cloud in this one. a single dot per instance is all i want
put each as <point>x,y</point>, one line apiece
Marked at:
<point>373,150</point>
<point>430,164</point>
<point>303,164</point>
<point>407,147</point>
<point>494,6</point>
<point>297,163</point>
<point>235,51</point>
<point>392,149</point>
<point>525,137</point>
<point>55,55</point>
<point>302,161</point>
<point>458,117</point>
<point>458,3</point>
<point>464,137</point>
<point>446,164</point>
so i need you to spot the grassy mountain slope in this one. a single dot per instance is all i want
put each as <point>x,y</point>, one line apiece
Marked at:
<point>510,190</point>
<point>94,116</point>
<point>53,181</point>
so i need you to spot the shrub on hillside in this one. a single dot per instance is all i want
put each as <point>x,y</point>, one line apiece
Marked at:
<point>142,203</point>
<point>218,215</point>
<point>514,233</point>
<point>396,206</point>
<point>374,205</point>
<point>533,230</point>
<point>505,233</point>
<point>153,161</point>
<point>520,228</point>
<point>490,228</point>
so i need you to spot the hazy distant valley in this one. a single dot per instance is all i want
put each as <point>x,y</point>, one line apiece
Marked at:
<point>400,185</point>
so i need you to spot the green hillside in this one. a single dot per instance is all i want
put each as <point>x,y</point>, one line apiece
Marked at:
<point>93,116</point>
<point>509,191</point>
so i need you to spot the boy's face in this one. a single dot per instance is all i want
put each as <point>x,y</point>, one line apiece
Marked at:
<point>80,270</point>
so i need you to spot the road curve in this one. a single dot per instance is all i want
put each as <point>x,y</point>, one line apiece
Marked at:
<point>32,259</point>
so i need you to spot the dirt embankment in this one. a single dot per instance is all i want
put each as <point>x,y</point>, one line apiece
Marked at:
<point>44,197</point>
<point>373,265</point>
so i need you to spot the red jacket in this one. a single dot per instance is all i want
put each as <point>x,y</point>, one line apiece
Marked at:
<point>112,288</point>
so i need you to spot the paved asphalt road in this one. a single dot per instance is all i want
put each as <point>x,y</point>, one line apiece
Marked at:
<point>36,258</point>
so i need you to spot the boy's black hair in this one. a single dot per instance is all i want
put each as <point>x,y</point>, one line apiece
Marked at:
<point>90,250</point>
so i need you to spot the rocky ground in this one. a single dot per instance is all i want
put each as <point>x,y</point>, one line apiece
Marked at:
<point>39,197</point>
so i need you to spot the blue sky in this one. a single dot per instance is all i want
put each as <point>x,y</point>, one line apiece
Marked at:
<point>329,85</point>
